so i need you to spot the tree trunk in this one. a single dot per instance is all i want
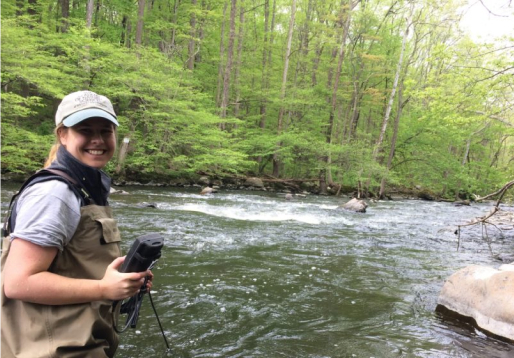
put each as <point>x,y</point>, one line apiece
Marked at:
<point>239,55</point>
<point>65,14</point>
<point>276,155</point>
<point>266,60</point>
<point>219,89</point>
<point>89,19</point>
<point>385,121</point>
<point>174,28</point>
<point>264,76</point>
<point>89,13</point>
<point>192,38</point>
<point>140,22</point>
<point>230,59</point>
<point>392,150</point>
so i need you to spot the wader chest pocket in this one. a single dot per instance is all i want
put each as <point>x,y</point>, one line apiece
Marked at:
<point>110,232</point>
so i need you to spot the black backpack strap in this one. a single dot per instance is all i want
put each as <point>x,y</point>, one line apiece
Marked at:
<point>40,176</point>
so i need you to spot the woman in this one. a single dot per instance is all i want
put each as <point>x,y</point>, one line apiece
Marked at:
<point>60,260</point>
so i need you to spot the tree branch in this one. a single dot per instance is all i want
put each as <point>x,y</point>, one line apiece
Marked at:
<point>492,13</point>
<point>501,191</point>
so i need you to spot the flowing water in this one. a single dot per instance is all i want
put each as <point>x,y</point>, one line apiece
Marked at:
<point>249,274</point>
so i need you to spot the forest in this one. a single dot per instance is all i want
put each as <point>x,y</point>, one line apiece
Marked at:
<point>379,95</point>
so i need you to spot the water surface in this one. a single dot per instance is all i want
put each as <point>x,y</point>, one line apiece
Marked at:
<point>249,274</point>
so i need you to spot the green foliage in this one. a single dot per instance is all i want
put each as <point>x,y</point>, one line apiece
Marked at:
<point>21,149</point>
<point>458,93</point>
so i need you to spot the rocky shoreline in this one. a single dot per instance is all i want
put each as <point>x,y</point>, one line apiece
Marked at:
<point>301,187</point>
<point>294,186</point>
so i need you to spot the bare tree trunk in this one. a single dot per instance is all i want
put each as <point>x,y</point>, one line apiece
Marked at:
<point>239,55</point>
<point>266,59</point>
<point>89,13</point>
<point>264,75</point>
<point>276,158</point>
<point>200,35</point>
<point>174,28</point>
<point>392,150</point>
<point>140,22</point>
<point>192,38</point>
<point>230,59</point>
<point>89,19</point>
<point>65,14</point>
<point>385,121</point>
<point>222,53</point>
<point>122,154</point>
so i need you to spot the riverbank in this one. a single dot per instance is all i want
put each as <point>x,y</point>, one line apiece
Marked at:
<point>271,184</point>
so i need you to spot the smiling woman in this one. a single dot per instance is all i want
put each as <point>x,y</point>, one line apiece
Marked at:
<point>61,252</point>
<point>92,141</point>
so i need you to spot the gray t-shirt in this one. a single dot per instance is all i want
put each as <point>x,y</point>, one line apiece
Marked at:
<point>48,214</point>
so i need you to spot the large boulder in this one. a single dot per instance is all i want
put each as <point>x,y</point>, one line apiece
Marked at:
<point>255,182</point>
<point>484,294</point>
<point>208,190</point>
<point>356,205</point>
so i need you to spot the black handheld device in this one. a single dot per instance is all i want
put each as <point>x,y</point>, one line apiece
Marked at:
<point>143,254</point>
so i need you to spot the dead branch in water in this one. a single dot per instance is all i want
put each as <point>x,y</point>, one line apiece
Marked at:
<point>501,191</point>
<point>487,219</point>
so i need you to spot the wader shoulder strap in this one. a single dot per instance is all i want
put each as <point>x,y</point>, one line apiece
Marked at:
<point>40,176</point>
<point>83,193</point>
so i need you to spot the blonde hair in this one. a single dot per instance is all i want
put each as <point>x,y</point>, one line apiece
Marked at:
<point>53,150</point>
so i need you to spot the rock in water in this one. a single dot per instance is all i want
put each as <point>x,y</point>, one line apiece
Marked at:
<point>208,190</point>
<point>484,294</point>
<point>355,205</point>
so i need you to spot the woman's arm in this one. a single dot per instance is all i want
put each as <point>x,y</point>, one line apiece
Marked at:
<point>26,278</point>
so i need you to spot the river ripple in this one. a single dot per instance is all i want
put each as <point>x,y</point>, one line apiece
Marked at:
<point>249,274</point>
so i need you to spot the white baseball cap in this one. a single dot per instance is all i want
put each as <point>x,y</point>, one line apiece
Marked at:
<point>79,106</point>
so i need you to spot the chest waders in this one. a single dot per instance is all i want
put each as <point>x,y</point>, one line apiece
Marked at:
<point>85,330</point>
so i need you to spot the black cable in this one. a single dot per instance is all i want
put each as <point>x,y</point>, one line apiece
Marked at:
<point>132,307</point>
<point>158,321</point>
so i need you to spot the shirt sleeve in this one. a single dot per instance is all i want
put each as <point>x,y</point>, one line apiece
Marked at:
<point>47,214</point>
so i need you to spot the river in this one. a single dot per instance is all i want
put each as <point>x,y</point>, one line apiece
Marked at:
<point>249,274</point>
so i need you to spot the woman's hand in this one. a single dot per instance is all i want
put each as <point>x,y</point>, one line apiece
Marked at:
<point>117,285</point>
<point>26,278</point>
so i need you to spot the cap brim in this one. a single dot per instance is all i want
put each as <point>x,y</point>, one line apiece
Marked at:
<point>80,116</point>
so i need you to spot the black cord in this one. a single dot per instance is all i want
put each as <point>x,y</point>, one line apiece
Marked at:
<point>132,307</point>
<point>158,321</point>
